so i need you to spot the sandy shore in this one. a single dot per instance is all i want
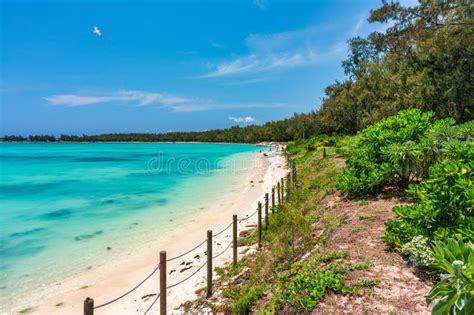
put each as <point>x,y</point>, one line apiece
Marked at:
<point>117,277</point>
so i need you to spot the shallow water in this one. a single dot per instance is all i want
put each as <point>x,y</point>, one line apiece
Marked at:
<point>67,207</point>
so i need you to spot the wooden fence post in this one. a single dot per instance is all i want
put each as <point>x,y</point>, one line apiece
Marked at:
<point>162,282</point>
<point>266,211</point>
<point>88,306</point>
<point>259,224</point>
<point>324,152</point>
<point>282,187</point>
<point>288,183</point>
<point>294,175</point>
<point>234,237</point>
<point>273,198</point>
<point>209,263</point>
<point>278,193</point>
<point>291,169</point>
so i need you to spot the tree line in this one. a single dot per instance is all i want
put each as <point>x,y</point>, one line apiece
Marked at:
<point>424,59</point>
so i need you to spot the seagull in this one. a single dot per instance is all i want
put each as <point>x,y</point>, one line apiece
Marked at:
<point>97,31</point>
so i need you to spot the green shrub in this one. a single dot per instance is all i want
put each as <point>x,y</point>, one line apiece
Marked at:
<point>444,206</point>
<point>387,152</point>
<point>454,294</point>
<point>247,297</point>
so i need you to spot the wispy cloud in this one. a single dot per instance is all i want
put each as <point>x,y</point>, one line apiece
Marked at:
<point>286,50</point>
<point>261,4</point>
<point>215,44</point>
<point>246,119</point>
<point>143,98</point>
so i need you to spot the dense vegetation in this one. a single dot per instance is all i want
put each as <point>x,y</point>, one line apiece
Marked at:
<point>412,151</point>
<point>424,60</point>
<point>435,159</point>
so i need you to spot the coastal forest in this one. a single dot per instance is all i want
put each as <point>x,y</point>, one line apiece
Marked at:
<point>423,59</point>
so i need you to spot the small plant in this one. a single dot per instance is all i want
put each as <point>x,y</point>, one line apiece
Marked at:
<point>247,297</point>
<point>454,294</point>
<point>344,221</point>
<point>418,251</point>
<point>405,157</point>
<point>368,283</point>
<point>363,202</point>
<point>366,216</point>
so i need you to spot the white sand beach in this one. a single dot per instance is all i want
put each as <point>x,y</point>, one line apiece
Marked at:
<point>117,277</point>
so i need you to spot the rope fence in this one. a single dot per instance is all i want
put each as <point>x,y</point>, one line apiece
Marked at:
<point>129,291</point>
<point>189,251</point>
<point>152,304</point>
<point>187,278</point>
<point>282,194</point>
<point>227,247</point>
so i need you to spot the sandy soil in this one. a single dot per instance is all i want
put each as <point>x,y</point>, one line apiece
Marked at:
<point>112,280</point>
<point>401,289</point>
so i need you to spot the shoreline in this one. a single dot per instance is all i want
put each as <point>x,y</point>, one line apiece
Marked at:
<point>117,277</point>
<point>170,142</point>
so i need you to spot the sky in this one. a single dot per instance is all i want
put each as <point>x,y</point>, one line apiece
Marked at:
<point>163,66</point>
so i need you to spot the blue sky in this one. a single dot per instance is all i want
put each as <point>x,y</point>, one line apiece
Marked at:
<point>168,65</point>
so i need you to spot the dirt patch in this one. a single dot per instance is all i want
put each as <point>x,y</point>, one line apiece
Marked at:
<point>400,290</point>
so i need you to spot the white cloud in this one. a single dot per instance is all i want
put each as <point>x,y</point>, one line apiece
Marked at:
<point>246,119</point>
<point>143,98</point>
<point>287,49</point>
<point>262,4</point>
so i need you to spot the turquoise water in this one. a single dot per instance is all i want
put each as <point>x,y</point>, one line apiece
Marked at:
<point>64,204</point>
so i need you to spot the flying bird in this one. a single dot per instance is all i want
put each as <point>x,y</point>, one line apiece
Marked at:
<point>97,31</point>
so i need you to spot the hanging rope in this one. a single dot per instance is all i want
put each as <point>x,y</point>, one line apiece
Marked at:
<point>223,230</point>
<point>154,301</point>
<point>184,254</point>
<point>186,279</point>
<point>213,257</point>
<point>130,291</point>
<point>249,216</point>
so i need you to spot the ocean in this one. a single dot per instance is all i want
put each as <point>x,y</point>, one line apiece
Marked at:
<point>69,207</point>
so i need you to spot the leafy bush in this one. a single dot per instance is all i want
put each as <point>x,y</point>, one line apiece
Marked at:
<point>444,206</point>
<point>418,251</point>
<point>454,294</point>
<point>387,152</point>
<point>247,298</point>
